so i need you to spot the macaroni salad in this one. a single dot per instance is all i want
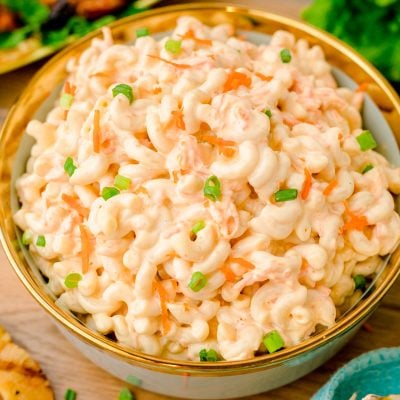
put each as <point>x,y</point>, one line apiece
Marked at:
<point>205,198</point>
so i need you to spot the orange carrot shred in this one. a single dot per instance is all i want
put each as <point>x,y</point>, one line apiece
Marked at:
<point>163,295</point>
<point>263,77</point>
<point>229,274</point>
<point>96,131</point>
<point>216,141</point>
<point>355,222</point>
<point>74,203</point>
<point>178,119</point>
<point>363,87</point>
<point>328,190</point>
<point>86,247</point>
<point>69,88</point>
<point>183,66</point>
<point>235,80</point>
<point>307,184</point>
<point>190,35</point>
<point>244,263</point>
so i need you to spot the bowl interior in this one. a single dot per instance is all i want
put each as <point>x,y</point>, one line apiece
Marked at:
<point>381,115</point>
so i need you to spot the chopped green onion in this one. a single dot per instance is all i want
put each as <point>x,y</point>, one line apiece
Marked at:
<point>268,113</point>
<point>198,281</point>
<point>367,168</point>
<point>69,166</point>
<point>70,394</point>
<point>366,141</point>
<point>122,182</point>
<point>173,46</point>
<point>66,100</point>
<point>140,32</point>
<point>210,355</point>
<point>125,394</point>
<point>286,195</point>
<point>359,282</point>
<point>212,188</point>
<point>125,90</point>
<point>133,380</point>
<point>41,241</point>
<point>286,57</point>
<point>71,280</point>
<point>27,237</point>
<point>198,226</point>
<point>108,192</point>
<point>273,341</point>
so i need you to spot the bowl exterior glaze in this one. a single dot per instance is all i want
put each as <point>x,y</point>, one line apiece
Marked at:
<point>216,386</point>
<point>185,378</point>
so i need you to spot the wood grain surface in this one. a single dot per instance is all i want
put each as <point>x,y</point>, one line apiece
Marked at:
<point>66,367</point>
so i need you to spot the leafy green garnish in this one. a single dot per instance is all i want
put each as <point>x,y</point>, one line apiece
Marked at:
<point>8,40</point>
<point>372,27</point>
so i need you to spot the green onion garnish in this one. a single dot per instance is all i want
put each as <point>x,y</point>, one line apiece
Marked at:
<point>286,57</point>
<point>173,46</point>
<point>133,380</point>
<point>359,282</point>
<point>41,241</point>
<point>71,280</point>
<point>273,341</point>
<point>69,166</point>
<point>122,182</point>
<point>140,32</point>
<point>108,192</point>
<point>198,281</point>
<point>70,394</point>
<point>367,168</point>
<point>366,141</point>
<point>27,237</point>
<point>286,195</point>
<point>125,394</point>
<point>125,90</point>
<point>210,355</point>
<point>212,188</point>
<point>268,113</point>
<point>198,226</point>
<point>66,100</point>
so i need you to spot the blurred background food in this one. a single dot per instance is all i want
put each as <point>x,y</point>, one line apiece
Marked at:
<point>372,27</point>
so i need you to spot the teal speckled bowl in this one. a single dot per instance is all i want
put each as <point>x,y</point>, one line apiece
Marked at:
<point>376,372</point>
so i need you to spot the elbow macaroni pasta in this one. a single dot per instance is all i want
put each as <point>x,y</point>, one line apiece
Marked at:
<point>268,265</point>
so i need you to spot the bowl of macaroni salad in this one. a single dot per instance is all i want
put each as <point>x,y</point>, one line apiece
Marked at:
<point>204,197</point>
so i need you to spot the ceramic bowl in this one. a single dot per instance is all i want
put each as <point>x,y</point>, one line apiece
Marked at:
<point>184,378</point>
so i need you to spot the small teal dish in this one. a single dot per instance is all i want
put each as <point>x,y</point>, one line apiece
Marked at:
<point>376,372</point>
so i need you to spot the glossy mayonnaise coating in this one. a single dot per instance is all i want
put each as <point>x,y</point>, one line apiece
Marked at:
<point>269,265</point>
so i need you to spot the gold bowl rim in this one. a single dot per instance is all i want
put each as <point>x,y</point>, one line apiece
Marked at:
<point>202,368</point>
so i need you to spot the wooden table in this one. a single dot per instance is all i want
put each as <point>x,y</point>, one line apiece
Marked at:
<point>66,367</point>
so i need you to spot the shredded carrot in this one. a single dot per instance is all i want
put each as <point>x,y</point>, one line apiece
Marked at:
<point>263,77</point>
<point>244,263</point>
<point>183,66</point>
<point>216,141</point>
<point>178,119</point>
<point>86,247</point>
<point>363,87</point>
<point>190,35</point>
<point>74,203</point>
<point>224,145</point>
<point>96,131</point>
<point>307,184</point>
<point>355,222</point>
<point>163,295</point>
<point>69,88</point>
<point>229,274</point>
<point>328,190</point>
<point>235,80</point>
